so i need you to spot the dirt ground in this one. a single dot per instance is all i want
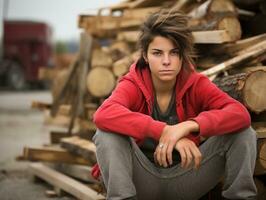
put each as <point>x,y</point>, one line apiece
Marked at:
<point>21,126</point>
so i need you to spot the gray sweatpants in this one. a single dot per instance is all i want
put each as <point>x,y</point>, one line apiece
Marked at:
<point>126,171</point>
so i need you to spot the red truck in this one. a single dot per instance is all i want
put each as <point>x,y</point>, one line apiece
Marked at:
<point>26,48</point>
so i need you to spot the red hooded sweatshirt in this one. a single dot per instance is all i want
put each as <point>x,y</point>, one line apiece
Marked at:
<point>128,110</point>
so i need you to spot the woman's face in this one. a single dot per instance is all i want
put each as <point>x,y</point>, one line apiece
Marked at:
<point>164,59</point>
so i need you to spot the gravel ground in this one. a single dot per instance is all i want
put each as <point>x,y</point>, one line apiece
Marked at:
<point>21,126</point>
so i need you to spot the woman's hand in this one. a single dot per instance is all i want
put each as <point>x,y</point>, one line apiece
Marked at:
<point>171,134</point>
<point>188,151</point>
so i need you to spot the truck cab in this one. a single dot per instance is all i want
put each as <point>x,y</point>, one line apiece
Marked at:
<point>26,48</point>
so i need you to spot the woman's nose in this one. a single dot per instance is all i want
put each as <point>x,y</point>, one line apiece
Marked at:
<point>166,60</point>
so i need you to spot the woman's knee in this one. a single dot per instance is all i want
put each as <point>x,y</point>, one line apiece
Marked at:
<point>108,139</point>
<point>247,136</point>
<point>112,148</point>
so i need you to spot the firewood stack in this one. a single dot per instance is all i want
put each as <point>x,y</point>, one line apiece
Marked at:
<point>230,39</point>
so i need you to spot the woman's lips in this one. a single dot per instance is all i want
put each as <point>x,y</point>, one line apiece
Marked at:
<point>166,71</point>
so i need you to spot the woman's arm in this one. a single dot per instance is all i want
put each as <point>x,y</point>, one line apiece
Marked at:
<point>221,114</point>
<point>171,135</point>
<point>120,113</point>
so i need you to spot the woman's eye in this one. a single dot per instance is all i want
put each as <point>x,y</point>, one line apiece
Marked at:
<point>157,53</point>
<point>175,52</point>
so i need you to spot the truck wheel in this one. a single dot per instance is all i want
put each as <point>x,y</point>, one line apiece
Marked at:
<point>15,78</point>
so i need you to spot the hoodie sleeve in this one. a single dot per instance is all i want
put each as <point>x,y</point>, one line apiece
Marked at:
<point>120,114</point>
<point>220,114</point>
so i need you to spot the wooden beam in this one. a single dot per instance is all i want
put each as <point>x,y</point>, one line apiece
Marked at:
<point>63,109</point>
<point>40,105</point>
<point>139,3</point>
<point>211,37</point>
<point>80,172</point>
<point>140,13</point>
<point>261,48</point>
<point>180,4</point>
<point>200,37</point>
<point>129,36</point>
<point>119,7</point>
<point>235,48</point>
<point>81,147</point>
<point>60,97</point>
<point>58,120</point>
<point>85,51</point>
<point>51,154</point>
<point>64,182</point>
<point>56,136</point>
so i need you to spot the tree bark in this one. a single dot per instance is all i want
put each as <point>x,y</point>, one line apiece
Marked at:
<point>248,88</point>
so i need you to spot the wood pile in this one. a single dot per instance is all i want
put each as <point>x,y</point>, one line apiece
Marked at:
<point>230,39</point>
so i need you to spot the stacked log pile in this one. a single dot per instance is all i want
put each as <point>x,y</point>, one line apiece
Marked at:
<point>230,52</point>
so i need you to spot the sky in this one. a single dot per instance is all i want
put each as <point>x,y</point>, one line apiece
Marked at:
<point>61,15</point>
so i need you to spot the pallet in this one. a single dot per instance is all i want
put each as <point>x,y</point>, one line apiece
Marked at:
<point>63,182</point>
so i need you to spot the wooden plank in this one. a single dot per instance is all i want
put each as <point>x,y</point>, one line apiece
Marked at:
<point>223,30</point>
<point>129,36</point>
<point>64,182</point>
<point>52,154</point>
<point>84,66</point>
<point>140,13</point>
<point>56,136</point>
<point>81,147</point>
<point>200,37</point>
<point>139,3</point>
<point>79,172</point>
<point>119,6</point>
<point>58,120</point>
<point>64,121</point>
<point>40,105</point>
<point>100,25</point>
<point>211,37</point>
<point>180,4</point>
<point>63,109</point>
<point>235,48</point>
<point>233,61</point>
<point>60,97</point>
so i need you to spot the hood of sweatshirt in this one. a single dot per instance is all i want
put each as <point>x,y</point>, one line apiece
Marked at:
<point>142,78</point>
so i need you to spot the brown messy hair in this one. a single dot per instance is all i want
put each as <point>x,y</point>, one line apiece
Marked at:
<point>169,24</point>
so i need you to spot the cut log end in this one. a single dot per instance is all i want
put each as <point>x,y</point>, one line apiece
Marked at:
<point>101,58</point>
<point>232,27</point>
<point>221,6</point>
<point>254,91</point>
<point>100,82</point>
<point>121,67</point>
